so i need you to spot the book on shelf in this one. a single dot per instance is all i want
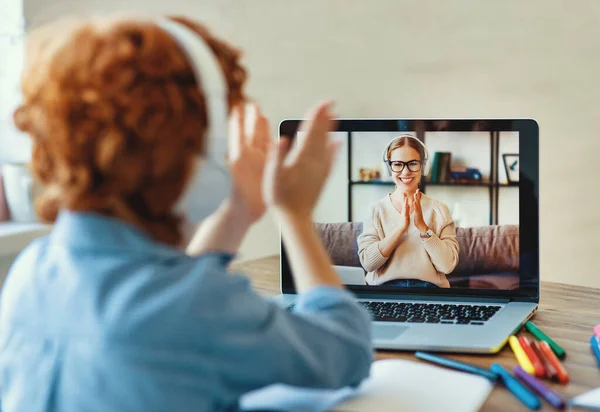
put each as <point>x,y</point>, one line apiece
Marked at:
<point>444,169</point>
<point>440,168</point>
<point>435,165</point>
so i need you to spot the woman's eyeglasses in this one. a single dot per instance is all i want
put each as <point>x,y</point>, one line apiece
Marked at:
<point>397,166</point>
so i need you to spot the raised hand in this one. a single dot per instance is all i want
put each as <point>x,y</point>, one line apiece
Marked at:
<point>249,142</point>
<point>295,175</point>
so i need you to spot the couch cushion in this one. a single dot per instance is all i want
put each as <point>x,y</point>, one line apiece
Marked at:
<point>340,241</point>
<point>484,249</point>
<point>488,249</point>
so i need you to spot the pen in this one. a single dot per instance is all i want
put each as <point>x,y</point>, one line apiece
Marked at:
<point>540,371</point>
<point>595,342</point>
<point>550,371</point>
<point>521,392</point>
<point>561,373</point>
<point>461,366</point>
<point>546,393</point>
<point>597,331</point>
<point>520,355</point>
<point>537,332</point>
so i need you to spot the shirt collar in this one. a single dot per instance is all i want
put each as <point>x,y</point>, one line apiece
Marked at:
<point>83,230</point>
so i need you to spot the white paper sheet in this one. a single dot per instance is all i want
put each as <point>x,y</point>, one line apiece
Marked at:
<point>588,400</point>
<point>394,384</point>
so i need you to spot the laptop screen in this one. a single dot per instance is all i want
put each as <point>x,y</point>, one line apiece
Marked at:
<point>433,206</point>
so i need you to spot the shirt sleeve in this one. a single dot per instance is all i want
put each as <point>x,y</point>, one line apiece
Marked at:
<point>324,342</point>
<point>368,243</point>
<point>442,247</point>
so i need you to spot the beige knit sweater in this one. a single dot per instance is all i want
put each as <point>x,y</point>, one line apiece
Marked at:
<point>414,258</point>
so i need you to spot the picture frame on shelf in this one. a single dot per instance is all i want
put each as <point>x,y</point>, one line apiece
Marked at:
<point>511,166</point>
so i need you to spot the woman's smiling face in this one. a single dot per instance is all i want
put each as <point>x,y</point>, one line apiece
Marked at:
<point>406,180</point>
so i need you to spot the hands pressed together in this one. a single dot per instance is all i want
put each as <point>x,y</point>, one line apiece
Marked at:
<point>413,207</point>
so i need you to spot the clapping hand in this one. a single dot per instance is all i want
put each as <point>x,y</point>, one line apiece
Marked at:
<point>405,215</point>
<point>418,218</point>
<point>295,176</point>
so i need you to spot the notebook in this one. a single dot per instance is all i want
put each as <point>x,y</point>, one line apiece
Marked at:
<point>589,400</point>
<point>393,384</point>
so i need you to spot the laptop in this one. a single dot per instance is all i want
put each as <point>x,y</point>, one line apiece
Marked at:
<point>485,171</point>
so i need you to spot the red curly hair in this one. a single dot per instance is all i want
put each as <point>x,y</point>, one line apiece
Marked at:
<point>117,118</point>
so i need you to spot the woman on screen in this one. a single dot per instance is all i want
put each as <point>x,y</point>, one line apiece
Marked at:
<point>408,238</point>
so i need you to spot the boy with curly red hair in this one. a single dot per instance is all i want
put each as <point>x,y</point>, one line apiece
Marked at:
<point>108,313</point>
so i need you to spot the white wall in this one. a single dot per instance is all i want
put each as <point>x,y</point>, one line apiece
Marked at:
<point>411,58</point>
<point>14,146</point>
<point>333,203</point>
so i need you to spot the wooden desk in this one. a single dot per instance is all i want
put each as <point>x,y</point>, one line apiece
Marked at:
<point>567,313</point>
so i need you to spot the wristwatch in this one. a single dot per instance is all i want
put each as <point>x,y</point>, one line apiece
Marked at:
<point>427,234</point>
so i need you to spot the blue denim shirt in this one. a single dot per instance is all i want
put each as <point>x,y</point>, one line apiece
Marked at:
<point>99,317</point>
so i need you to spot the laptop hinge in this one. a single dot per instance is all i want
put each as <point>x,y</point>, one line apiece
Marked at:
<point>432,298</point>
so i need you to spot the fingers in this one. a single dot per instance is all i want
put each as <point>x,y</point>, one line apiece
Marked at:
<point>313,113</point>
<point>319,122</point>
<point>257,126</point>
<point>275,159</point>
<point>250,121</point>
<point>236,132</point>
<point>332,151</point>
<point>418,201</point>
<point>406,205</point>
<point>279,152</point>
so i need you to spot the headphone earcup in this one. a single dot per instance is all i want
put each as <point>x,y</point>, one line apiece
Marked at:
<point>426,168</point>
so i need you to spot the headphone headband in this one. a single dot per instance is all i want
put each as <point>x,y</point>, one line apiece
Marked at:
<point>205,190</point>
<point>208,74</point>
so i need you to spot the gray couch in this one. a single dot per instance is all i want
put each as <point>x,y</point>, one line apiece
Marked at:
<point>488,255</point>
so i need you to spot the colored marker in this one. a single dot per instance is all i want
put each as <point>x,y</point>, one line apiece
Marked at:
<point>517,388</point>
<point>595,342</point>
<point>520,355</point>
<point>537,332</point>
<point>597,331</point>
<point>540,371</point>
<point>561,373</point>
<point>550,371</point>
<point>546,393</point>
<point>461,366</point>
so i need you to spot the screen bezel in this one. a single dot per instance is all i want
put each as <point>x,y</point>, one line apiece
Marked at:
<point>528,202</point>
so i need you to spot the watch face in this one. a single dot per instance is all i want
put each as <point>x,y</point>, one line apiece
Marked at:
<point>427,234</point>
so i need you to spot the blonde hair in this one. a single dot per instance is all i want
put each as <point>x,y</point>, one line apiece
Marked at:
<point>117,118</point>
<point>409,141</point>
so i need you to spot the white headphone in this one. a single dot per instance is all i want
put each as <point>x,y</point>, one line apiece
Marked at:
<point>425,165</point>
<point>210,184</point>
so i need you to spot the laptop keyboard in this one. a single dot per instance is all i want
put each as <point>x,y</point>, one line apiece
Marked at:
<point>431,312</point>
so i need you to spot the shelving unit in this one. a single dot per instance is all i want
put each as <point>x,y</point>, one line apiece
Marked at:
<point>493,184</point>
